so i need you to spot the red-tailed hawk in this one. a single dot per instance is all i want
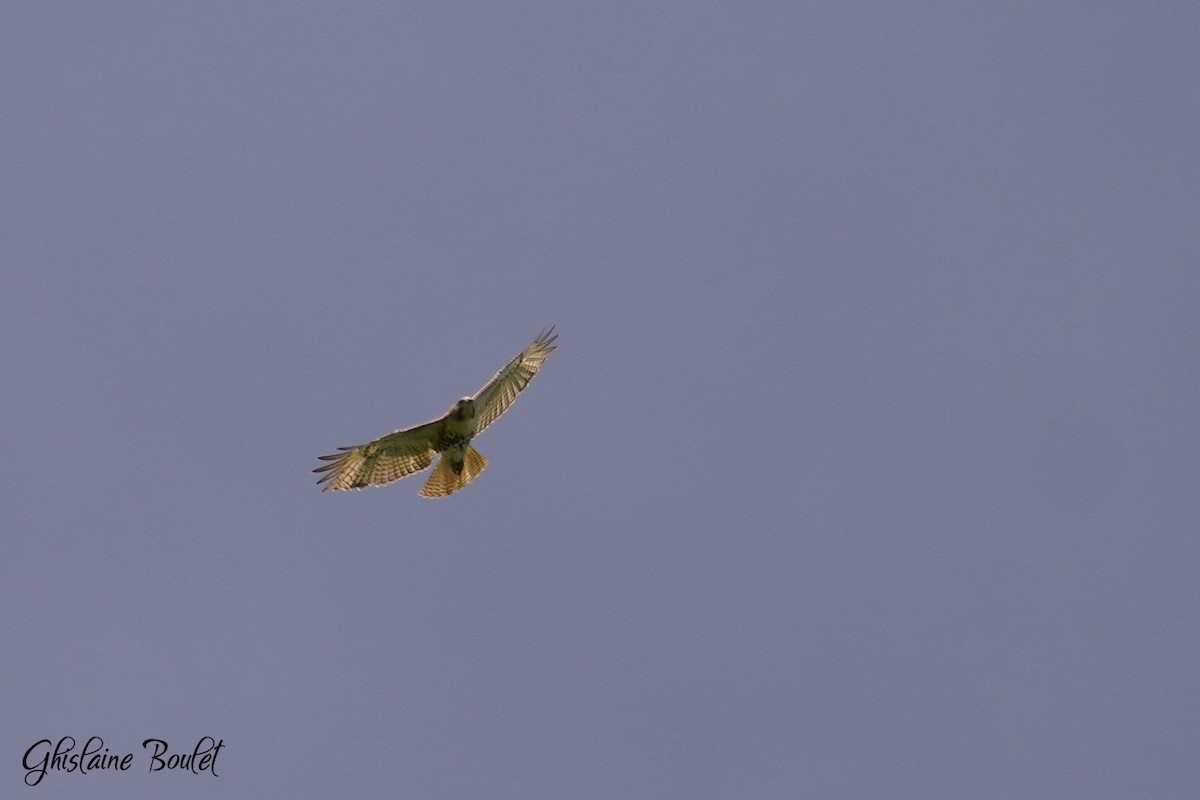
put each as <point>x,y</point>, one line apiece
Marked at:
<point>401,453</point>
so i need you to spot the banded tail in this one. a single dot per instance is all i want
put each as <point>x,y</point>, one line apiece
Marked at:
<point>444,480</point>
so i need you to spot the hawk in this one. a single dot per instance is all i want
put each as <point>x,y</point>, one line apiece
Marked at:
<point>404,452</point>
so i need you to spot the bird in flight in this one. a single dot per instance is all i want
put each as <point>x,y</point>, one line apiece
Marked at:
<point>404,452</point>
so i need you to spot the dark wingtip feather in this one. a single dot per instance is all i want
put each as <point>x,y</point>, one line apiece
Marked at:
<point>546,339</point>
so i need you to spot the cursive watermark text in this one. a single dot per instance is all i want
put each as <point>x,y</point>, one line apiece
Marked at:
<point>45,756</point>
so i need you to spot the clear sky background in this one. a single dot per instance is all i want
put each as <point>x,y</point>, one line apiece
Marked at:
<point>867,465</point>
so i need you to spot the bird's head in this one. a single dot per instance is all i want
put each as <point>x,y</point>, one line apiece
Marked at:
<point>463,409</point>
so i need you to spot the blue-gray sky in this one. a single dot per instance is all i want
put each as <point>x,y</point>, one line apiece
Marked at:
<point>867,465</point>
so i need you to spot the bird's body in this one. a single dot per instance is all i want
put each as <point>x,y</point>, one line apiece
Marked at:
<point>457,433</point>
<point>404,452</point>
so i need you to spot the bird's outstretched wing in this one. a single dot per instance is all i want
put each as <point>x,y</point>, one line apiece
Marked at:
<point>382,461</point>
<point>498,394</point>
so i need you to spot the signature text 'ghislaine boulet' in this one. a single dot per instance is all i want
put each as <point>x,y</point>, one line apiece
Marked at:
<point>44,756</point>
